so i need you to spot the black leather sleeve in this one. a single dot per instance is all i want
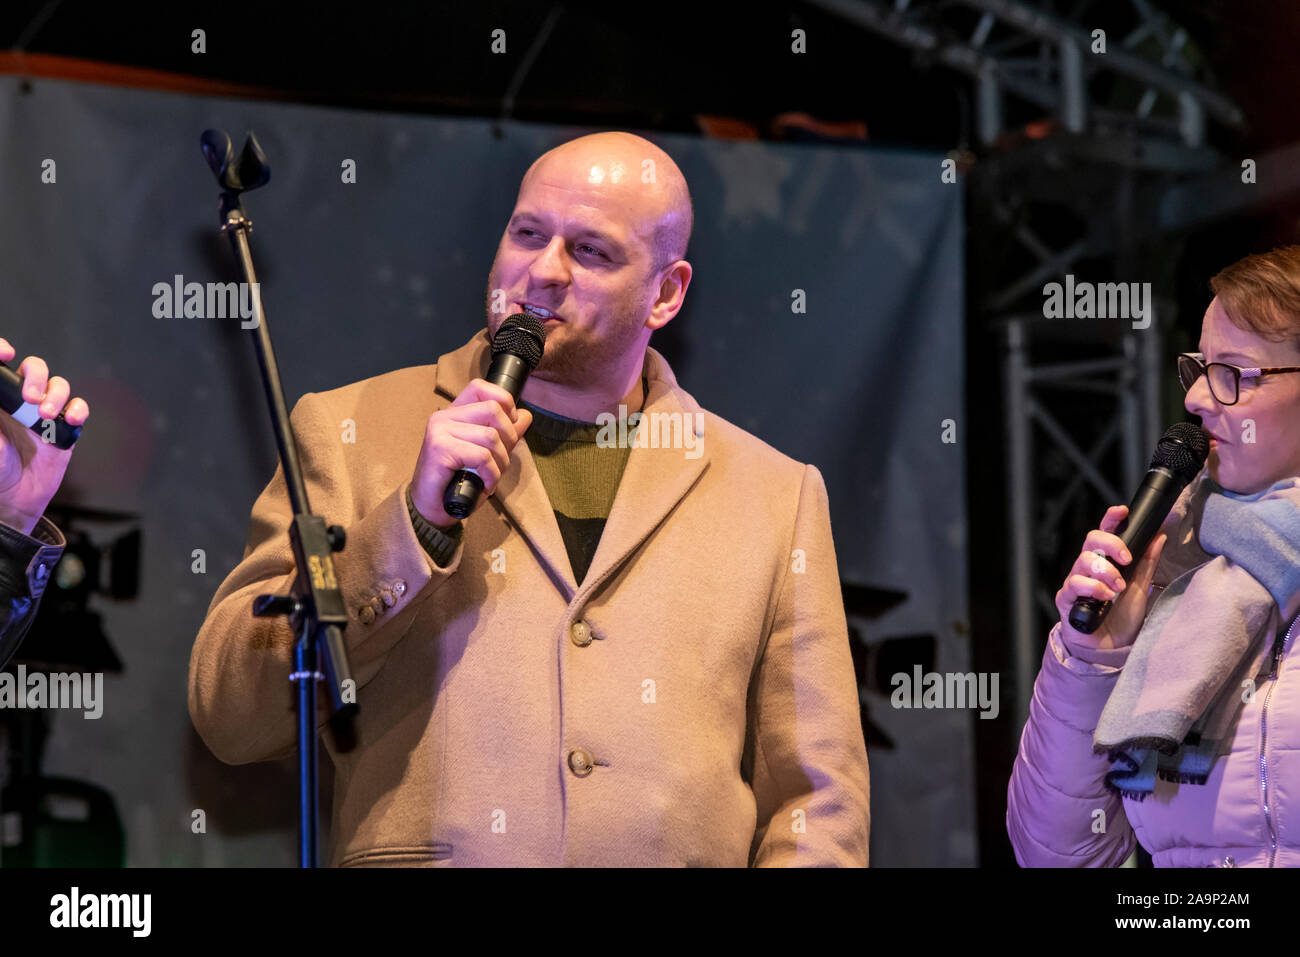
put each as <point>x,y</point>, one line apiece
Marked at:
<point>26,562</point>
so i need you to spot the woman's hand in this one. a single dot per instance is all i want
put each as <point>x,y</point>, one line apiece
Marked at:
<point>1094,576</point>
<point>31,469</point>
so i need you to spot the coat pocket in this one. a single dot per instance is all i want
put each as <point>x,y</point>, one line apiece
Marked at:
<point>407,855</point>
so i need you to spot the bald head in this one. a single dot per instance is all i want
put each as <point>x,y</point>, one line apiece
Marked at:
<point>595,245</point>
<point>636,174</point>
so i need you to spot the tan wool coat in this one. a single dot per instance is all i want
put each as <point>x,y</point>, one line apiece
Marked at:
<point>692,703</point>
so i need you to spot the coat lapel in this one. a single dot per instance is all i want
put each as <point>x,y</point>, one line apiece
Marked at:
<point>520,496</point>
<point>653,482</point>
<point>655,479</point>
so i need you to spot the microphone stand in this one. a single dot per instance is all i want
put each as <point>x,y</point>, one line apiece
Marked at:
<point>315,603</point>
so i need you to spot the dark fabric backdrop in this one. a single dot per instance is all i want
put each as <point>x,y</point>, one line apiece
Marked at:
<point>391,271</point>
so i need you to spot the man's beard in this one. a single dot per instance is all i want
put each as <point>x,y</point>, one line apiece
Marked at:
<point>571,358</point>
<point>564,360</point>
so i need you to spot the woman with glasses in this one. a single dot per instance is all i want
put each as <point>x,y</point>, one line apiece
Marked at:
<point>1176,724</point>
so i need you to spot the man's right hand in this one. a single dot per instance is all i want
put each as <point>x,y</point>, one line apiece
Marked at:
<point>1092,576</point>
<point>477,431</point>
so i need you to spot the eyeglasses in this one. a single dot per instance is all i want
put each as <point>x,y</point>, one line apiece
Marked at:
<point>1224,379</point>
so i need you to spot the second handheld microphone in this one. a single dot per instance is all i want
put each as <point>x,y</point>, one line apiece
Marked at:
<point>1179,456</point>
<point>63,436</point>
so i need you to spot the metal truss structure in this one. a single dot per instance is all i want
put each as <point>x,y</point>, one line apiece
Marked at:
<point>1107,159</point>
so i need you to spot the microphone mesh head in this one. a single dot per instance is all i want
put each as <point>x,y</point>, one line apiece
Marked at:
<point>521,335</point>
<point>1182,450</point>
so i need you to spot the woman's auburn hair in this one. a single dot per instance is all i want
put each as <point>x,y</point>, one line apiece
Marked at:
<point>1261,294</point>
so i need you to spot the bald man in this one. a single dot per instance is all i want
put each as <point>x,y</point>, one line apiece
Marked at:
<point>633,651</point>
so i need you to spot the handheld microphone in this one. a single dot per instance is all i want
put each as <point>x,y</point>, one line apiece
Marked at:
<point>516,350</point>
<point>1179,456</point>
<point>12,401</point>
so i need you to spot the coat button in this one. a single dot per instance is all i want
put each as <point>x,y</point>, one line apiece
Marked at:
<point>580,762</point>
<point>366,614</point>
<point>581,634</point>
<point>377,605</point>
<point>387,597</point>
<point>399,588</point>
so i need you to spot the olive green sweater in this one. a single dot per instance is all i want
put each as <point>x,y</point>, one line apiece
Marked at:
<point>581,479</point>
